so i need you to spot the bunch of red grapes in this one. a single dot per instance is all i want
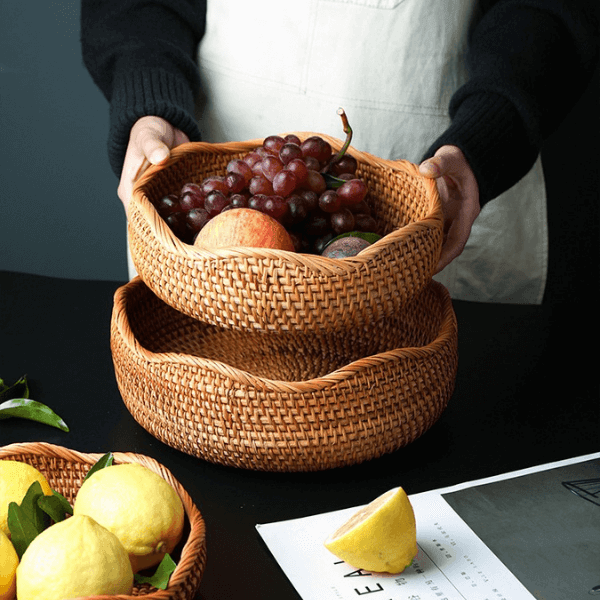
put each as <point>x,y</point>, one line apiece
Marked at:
<point>313,193</point>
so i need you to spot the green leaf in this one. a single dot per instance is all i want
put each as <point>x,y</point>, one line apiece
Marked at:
<point>34,411</point>
<point>161,576</point>
<point>30,505</point>
<point>365,235</point>
<point>333,182</point>
<point>18,389</point>
<point>101,463</point>
<point>22,530</point>
<point>55,506</point>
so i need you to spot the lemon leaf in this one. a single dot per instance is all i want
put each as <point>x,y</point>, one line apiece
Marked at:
<point>31,507</point>
<point>22,530</point>
<point>160,579</point>
<point>34,411</point>
<point>19,388</point>
<point>55,506</point>
<point>104,461</point>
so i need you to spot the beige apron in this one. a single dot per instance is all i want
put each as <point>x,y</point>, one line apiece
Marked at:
<point>270,66</point>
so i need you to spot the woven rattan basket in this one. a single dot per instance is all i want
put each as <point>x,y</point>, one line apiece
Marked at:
<point>271,290</point>
<point>65,470</point>
<point>285,401</point>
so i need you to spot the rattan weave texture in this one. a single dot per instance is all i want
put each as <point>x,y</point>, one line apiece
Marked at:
<point>285,401</point>
<point>270,290</point>
<point>65,470</point>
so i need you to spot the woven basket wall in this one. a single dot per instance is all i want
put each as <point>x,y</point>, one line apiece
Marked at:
<point>65,470</point>
<point>284,401</point>
<point>270,290</point>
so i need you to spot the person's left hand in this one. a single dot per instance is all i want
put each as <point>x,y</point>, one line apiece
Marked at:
<point>459,194</point>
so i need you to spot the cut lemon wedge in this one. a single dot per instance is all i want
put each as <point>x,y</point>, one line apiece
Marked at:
<point>380,537</point>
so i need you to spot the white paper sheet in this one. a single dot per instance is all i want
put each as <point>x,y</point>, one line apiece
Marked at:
<point>452,563</point>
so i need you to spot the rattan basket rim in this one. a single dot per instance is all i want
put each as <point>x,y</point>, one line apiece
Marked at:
<point>196,522</point>
<point>314,263</point>
<point>445,335</point>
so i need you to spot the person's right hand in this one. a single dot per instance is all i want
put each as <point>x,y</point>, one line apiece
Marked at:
<point>150,141</point>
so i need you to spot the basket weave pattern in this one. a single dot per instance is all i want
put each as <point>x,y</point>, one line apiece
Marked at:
<point>284,401</point>
<point>272,290</point>
<point>65,470</point>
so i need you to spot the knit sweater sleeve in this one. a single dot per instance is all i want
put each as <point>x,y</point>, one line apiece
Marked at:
<point>141,56</point>
<point>529,61</point>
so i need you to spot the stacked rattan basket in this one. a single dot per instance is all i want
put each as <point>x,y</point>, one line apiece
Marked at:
<point>281,361</point>
<point>65,470</point>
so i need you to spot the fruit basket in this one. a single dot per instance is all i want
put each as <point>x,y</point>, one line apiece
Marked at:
<point>65,470</point>
<point>274,290</point>
<point>284,401</point>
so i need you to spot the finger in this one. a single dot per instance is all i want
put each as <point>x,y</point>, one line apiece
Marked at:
<point>453,247</point>
<point>430,168</point>
<point>456,237</point>
<point>153,147</point>
<point>447,160</point>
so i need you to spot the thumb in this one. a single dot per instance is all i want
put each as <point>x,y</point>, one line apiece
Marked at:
<point>447,160</point>
<point>154,148</point>
<point>432,167</point>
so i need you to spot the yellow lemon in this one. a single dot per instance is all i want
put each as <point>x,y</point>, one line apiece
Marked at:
<point>15,479</point>
<point>381,536</point>
<point>8,567</point>
<point>142,509</point>
<point>75,557</point>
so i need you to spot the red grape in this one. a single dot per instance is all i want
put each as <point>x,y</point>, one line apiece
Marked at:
<point>191,188</point>
<point>259,184</point>
<point>364,222</point>
<point>352,192</point>
<point>317,224</point>
<point>215,182</point>
<point>342,221</point>
<point>298,167</point>
<point>176,221</point>
<point>241,168</point>
<point>215,202</point>
<point>276,207</point>
<point>322,241</point>
<point>271,165</point>
<point>315,182</point>
<point>346,164</point>
<point>289,152</point>
<point>273,144</point>
<point>196,219</point>
<point>168,205</point>
<point>251,158</point>
<point>318,148</point>
<point>329,201</point>
<point>257,168</point>
<point>292,139</point>
<point>236,183</point>
<point>362,208</point>
<point>257,201</point>
<point>297,209</point>
<point>312,163</point>
<point>284,183</point>
<point>311,199</point>
<point>238,201</point>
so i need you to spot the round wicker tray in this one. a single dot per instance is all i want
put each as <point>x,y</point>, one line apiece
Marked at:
<point>285,401</point>
<point>272,290</point>
<point>65,470</point>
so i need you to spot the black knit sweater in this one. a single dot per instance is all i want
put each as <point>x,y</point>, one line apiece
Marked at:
<point>529,62</point>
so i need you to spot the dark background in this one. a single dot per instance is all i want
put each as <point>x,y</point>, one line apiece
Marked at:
<point>60,212</point>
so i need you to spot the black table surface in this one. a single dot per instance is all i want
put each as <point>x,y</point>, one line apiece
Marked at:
<point>526,394</point>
